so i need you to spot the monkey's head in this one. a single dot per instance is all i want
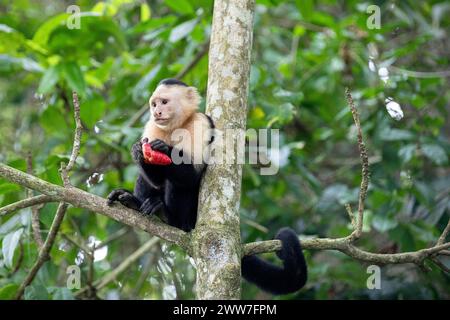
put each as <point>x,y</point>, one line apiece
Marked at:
<point>172,103</point>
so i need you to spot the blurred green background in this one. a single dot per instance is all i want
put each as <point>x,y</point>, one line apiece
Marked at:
<point>304,54</point>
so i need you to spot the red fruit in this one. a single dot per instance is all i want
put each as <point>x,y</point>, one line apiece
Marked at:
<point>154,157</point>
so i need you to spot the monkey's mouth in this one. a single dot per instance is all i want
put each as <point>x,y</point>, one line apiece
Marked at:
<point>161,120</point>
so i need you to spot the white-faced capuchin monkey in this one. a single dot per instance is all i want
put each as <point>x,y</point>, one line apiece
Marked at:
<point>174,188</point>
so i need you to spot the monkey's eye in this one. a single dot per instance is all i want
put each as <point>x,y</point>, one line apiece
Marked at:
<point>164,101</point>
<point>153,104</point>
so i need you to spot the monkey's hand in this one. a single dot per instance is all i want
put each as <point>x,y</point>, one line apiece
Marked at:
<point>161,146</point>
<point>125,197</point>
<point>136,153</point>
<point>150,206</point>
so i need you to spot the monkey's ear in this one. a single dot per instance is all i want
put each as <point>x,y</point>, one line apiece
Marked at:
<point>192,95</point>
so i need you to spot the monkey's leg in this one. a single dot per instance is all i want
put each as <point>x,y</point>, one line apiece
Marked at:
<point>150,198</point>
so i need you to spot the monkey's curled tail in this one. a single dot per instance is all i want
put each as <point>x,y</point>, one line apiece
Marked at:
<point>279,280</point>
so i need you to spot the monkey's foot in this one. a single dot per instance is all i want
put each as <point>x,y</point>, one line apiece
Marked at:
<point>150,206</point>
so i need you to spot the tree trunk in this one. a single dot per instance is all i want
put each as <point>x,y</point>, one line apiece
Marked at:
<point>216,240</point>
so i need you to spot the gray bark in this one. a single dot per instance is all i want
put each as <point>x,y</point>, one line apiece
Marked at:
<point>216,243</point>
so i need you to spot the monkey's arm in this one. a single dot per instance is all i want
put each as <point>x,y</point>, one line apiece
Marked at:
<point>153,174</point>
<point>147,196</point>
<point>183,174</point>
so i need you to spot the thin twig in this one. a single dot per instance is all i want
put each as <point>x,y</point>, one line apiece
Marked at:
<point>444,234</point>
<point>438,263</point>
<point>348,208</point>
<point>35,223</point>
<point>25,203</point>
<point>356,234</point>
<point>118,234</point>
<point>65,169</point>
<point>44,252</point>
<point>78,131</point>
<point>421,74</point>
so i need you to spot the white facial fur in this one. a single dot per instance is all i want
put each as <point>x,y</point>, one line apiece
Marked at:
<point>171,105</point>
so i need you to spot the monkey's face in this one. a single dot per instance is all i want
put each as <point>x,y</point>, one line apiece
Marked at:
<point>165,105</point>
<point>171,105</point>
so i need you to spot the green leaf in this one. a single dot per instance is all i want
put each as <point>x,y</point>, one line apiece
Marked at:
<point>43,33</point>
<point>407,152</point>
<point>8,292</point>
<point>48,81</point>
<point>105,9</point>
<point>283,114</point>
<point>435,153</point>
<point>36,292</point>
<point>97,35</point>
<point>389,134</point>
<point>74,77</point>
<point>306,8</point>
<point>145,12</point>
<point>182,30</point>
<point>62,294</point>
<point>51,120</point>
<point>9,245</point>
<point>383,224</point>
<point>180,6</point>
<point>92,110</point>
<point>10,39</point>
<point>142,89</point>
<point>8,187</point>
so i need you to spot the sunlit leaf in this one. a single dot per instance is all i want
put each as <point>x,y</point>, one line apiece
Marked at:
<point>180,6</point>
<point>48,81</point>
<point>9,245</point>
<point>74,77</point>
<point>182,30</point>
<point>145,12</point>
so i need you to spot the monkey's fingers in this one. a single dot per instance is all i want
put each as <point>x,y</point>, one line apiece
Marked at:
<point>136,153</point>
<point>159,145</point>
<point>115,194</point>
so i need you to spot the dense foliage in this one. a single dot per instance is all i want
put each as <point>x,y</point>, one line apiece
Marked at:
<point>304,54</point>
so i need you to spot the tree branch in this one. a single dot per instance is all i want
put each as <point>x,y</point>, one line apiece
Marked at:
<point>345,246</point>
<point>82,199</point>
<point>25,203</point>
